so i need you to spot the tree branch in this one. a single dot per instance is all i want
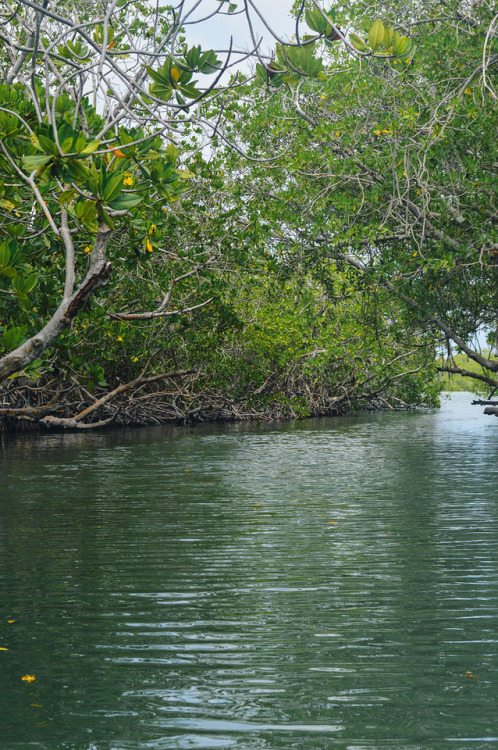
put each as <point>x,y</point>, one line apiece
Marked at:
<point>97,276</point>
<point>75,422</point>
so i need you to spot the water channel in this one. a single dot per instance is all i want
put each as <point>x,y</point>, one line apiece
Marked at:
<point>319,584</point>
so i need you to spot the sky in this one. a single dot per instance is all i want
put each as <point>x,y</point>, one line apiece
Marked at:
<point>216,33</point>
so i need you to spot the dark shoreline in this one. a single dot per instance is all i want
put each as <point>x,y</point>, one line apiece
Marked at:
<point>44,415</point>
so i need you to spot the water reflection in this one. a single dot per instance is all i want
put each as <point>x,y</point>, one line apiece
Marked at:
<point>325,583</point>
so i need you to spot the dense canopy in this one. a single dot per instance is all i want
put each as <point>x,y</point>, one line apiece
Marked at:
<point>189,233</point>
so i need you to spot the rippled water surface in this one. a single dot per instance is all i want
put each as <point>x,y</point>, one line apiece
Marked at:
<point>312,585</point>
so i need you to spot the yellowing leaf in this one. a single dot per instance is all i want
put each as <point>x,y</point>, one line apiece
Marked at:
<point>388,36</point>
<point>2,648</point>
<point>185,174</point>
<point>376,34</point>
<point>175,74</point>
<point>358,43</point>
<point>28,678</point>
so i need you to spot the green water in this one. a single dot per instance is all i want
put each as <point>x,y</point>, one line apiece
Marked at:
<point>314,585</point>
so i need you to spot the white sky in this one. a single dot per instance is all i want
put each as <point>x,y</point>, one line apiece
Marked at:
<point>215,33</point>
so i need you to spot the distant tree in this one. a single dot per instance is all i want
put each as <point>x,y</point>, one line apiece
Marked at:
<point>95,98</point>
<point>389,159</point>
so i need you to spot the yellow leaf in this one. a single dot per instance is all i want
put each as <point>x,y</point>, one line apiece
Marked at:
<point>2,648</point>
<point>376,34</point>
<point>149,246</point>
<point>175,74</point>
<point>28,678</point>
<point>119,154</point>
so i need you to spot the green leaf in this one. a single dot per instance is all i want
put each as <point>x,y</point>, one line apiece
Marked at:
<point>159,76</point>
<point>261,74</point>
<point>67,144</point>
<point>316,21</point>
<point>408,55</point>
<point>30,283</point>
<point>376,34</point>
<point>66,196</point>
<point>4,254</point>
<point>11,273</point>
<point>401,44</point>
<point>89,215</point>
<point>208,63</point>
<point>403,47</point>
<point>12,337</point>
<point>190,91</point>
<point>113,187</point>
<point>48,145</point>
<point>35,162</point>
<point>80,143</point>
<point>192,56</point>
<point>172,153</point>
<point>90,147</point>
<point>125,201</point>
<point>18,284</point>
<point>161,91</point>
<point>107,219</point>
<point>9,125</point>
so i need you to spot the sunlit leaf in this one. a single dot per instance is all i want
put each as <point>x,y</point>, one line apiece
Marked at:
<point>376,34</point>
